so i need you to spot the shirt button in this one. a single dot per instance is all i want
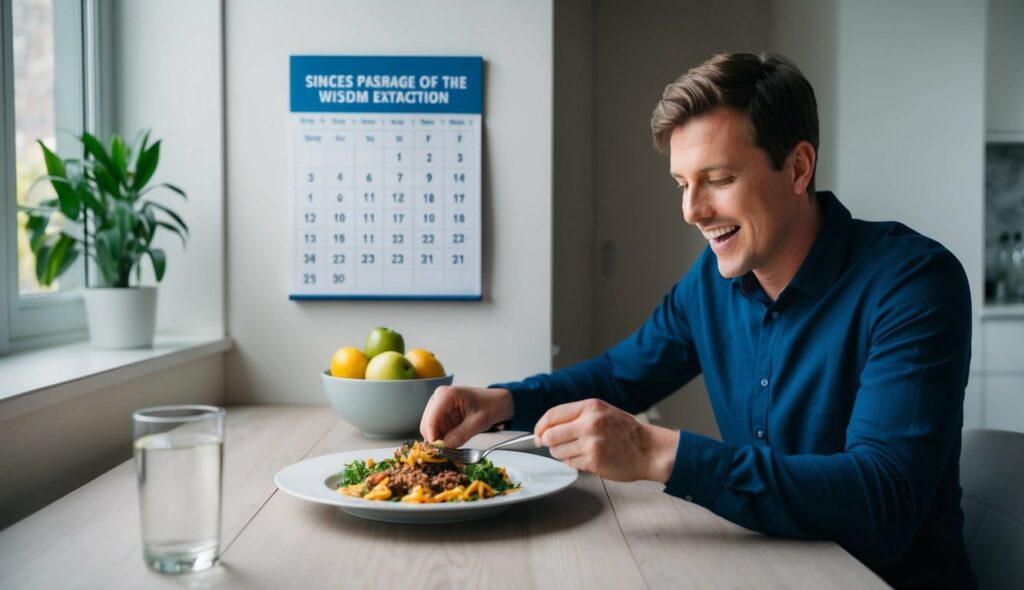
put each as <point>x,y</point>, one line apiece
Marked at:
<point>775,315</point>
<point>688,498</point>
<point>759,434</point>
<point>764,382</point>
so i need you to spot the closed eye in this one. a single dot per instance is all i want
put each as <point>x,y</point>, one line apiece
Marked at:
<point>722,181</point>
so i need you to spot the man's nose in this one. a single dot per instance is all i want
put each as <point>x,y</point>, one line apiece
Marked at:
<point>695,205</point>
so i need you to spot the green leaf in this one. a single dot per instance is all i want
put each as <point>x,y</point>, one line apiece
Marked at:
<point>57,260</point>
<point>159,262</point>
<point>36,226</point>
<point>141,141</point>
<point>166,185</point>
<point>70,205</point>
<point>173,229</point>
<point>94,148</point>
<point>54,165</point>
<point>107,182</point>
<point>118,156</point>
<point>107,244</point>
<point>42,261</point>
<point>90,201</point>
<point>147,165</point>
<point>172,214</point>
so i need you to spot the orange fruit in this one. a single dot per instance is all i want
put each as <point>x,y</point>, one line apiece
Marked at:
<point>424,363</point>
<point>349,362</point>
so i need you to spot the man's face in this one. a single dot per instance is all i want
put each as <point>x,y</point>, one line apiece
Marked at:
<point>731,193</point>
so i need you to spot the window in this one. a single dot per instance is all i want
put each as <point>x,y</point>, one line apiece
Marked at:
<point>50,94</point>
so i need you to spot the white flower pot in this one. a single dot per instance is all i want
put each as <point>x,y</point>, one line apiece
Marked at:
<point>121,318</point>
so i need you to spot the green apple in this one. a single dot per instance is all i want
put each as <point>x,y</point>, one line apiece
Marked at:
<point>382,340</point>
<point>389,365</point>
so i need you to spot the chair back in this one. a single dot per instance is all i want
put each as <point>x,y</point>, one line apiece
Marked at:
<point>992,477</point>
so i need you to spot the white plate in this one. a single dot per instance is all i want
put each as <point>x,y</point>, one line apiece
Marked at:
<point>316,480</point>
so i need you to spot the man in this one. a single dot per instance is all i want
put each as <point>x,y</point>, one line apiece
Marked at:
<point>835,351</point>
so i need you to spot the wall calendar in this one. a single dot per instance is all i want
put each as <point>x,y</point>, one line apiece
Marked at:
<point>384,161</point>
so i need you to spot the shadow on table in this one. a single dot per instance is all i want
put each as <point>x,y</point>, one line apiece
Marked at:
<point>553,514</point>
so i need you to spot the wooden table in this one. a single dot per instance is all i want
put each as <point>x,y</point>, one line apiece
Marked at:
<point>596,534</point>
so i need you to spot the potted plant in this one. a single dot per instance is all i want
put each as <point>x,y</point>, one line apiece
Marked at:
<point>103,197</point>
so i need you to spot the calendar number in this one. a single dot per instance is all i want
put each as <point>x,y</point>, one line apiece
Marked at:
<point>428,239</point>
<point>308,278</point>
<point>309,259</point>
<point>367,259</point>
<point>339,259</point>
<point>426,259</point>
<point>458,259</point>
<point>338,278</point>
<point>397,259</point>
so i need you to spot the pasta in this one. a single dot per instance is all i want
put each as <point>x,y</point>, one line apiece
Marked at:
<point>417,475</point>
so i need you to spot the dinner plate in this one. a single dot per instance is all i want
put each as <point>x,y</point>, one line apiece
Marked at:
<point>317,479</point>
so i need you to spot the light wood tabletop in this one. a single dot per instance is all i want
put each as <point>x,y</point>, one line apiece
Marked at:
<point>594,534</point>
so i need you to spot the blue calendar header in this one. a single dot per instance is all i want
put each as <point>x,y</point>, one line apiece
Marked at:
<point>364,84</point>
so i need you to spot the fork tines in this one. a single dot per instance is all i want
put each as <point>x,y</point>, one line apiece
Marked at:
<point>450,454</point>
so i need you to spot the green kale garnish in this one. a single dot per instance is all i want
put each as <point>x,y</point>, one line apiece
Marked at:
<point>486,472</point>
<point>357,471</point>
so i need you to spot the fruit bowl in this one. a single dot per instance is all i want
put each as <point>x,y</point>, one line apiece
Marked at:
<point>382,408</point>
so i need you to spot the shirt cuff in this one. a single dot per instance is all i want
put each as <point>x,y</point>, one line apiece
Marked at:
<point>527,405</point>
<point>701,466</point>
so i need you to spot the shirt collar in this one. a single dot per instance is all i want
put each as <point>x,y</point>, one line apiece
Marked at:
<point>821,267</point>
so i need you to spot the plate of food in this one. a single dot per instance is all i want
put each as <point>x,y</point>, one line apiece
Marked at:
<point>411,484</point>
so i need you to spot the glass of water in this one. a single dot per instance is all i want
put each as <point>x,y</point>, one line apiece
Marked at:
<point>178,460</point>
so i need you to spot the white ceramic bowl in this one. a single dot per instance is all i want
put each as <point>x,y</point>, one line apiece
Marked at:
<point>382,409</point>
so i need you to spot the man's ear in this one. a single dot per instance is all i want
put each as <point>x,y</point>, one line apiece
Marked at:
<point>801,167</point>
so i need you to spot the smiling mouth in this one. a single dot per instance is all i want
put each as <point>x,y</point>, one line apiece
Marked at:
<point>721,235</point>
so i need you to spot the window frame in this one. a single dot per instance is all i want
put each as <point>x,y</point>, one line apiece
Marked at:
<point>84,67</point>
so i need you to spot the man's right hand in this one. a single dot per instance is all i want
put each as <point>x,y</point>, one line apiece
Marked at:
<point>457,413</point>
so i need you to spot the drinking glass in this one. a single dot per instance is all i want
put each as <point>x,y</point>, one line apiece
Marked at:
<point>178,461</point>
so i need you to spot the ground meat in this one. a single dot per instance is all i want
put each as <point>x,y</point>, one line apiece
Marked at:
<point>403,479</point>
<point>435,477</point>
<point>447,480</point>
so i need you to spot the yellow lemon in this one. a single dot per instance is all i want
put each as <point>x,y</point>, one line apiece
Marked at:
<point>424,363</point>
<point>349,362</point>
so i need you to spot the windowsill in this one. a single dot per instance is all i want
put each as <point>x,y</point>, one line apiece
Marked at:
<point>992,311</point>
<point>35,379</point>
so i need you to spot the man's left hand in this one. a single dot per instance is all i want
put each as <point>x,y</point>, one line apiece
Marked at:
<point>592,435</point>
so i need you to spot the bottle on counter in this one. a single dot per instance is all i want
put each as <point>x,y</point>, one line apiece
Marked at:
<point>1003,256</point>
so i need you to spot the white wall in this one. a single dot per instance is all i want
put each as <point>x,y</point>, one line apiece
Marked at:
<point>283,345</point>
<point>168,78</point>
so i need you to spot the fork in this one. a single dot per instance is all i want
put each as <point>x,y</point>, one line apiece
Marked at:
<point>469,456</point>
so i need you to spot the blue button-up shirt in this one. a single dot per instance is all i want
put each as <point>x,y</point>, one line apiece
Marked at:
<point>840,404</point>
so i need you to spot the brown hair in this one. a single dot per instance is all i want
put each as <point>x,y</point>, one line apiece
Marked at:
<point>769,89</point>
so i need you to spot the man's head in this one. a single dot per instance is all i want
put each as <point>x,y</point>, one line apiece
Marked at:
<point>771,92</point>
<point>742,133</point>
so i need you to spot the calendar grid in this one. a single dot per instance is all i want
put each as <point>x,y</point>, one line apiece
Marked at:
<point>386,205</point>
